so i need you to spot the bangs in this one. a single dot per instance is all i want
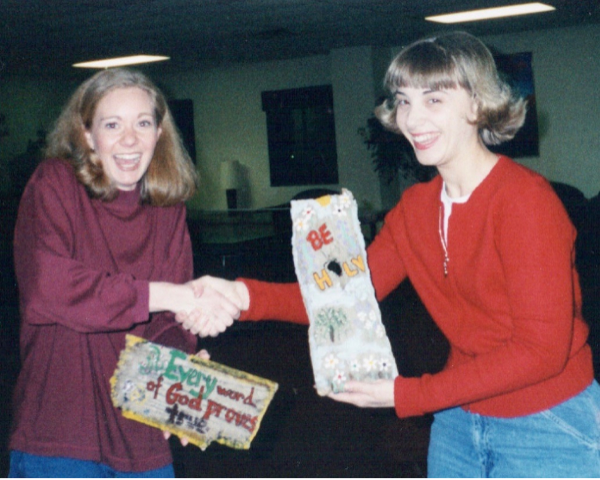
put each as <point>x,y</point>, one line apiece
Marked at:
<point>427,66</point>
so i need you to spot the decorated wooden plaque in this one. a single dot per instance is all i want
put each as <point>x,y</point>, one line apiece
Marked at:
<point>347,339</point>
<point>190,397</point>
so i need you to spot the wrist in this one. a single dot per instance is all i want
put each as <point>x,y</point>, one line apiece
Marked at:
<point>243,294</point>
<point>162,296</point>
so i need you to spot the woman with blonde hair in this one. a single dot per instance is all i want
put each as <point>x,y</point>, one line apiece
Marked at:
<point>489,248</point>
<point>101,250</point>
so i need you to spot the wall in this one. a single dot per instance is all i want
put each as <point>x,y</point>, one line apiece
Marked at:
<point>566,69</point>
<point>29,105</point>
<point>230,123</point>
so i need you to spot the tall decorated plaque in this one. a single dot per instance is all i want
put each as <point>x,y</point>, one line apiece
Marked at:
<point>190,397</point>
<point>347,338</point>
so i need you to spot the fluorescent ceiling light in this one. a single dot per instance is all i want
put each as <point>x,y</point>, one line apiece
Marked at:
<point>487,13</point>
<point>121,61</point>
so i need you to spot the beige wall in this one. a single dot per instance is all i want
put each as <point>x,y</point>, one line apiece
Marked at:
<point>566,69</point>
<point>230,123</point>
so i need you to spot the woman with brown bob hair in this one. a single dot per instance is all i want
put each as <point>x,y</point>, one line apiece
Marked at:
<point>489,248</point>
<point>101,250</point>
<point>456,61</point>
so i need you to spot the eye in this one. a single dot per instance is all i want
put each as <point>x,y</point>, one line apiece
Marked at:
<point>401,101</point>
<point>111,125</point>
<point>146,123</point>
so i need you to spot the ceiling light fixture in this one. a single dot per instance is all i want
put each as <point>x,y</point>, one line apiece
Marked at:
<point>121,61</point>
<point>488,13</point>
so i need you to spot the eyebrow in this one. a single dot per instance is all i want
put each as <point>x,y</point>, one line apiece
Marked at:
<point>119,117</point>
<point>425,92</point>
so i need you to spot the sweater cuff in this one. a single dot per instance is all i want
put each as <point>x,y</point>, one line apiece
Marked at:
<point>274,301</point>
<point>407,397</point>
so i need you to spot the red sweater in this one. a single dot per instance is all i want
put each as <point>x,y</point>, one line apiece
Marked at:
<point>510,305</point>
<point>83,267</point>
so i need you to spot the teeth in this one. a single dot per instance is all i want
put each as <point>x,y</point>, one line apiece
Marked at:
<point>424,138</point>
<point>128,157</point>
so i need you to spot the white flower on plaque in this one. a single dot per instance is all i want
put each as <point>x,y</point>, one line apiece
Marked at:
<point>347,339</point>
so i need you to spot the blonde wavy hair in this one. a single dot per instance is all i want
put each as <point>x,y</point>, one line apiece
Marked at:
<point>171,176</point>
<point>456,60</point>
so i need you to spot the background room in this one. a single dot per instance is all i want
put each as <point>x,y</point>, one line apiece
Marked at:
<point>223,58</point>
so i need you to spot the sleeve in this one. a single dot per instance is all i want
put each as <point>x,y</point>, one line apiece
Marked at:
<point>55,287</point>
<point>283,301</point>
<point>535,242</point>
<point>383,257</point>
<point>274,301</point>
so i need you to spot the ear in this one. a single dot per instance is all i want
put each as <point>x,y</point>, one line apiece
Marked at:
<point>89,139</point>
<point>473,114</point>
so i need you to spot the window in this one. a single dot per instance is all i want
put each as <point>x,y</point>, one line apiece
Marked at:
<point>301,136</point>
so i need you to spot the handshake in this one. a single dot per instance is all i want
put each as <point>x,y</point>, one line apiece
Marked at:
<point>216,303</point>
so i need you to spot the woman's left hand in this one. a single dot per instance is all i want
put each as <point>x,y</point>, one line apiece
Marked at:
<point>378,394</point>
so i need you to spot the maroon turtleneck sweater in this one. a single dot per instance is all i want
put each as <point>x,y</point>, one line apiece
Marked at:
<point>83,270</point>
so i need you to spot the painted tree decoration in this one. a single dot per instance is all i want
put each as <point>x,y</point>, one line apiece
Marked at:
<point>347,339</point>
<point>198,399</point>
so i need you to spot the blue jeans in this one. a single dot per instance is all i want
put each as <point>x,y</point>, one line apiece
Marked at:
<point>25,465</point>
<point>563,441</point>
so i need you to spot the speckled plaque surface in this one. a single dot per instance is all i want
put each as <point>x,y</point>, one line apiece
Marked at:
<point>200,400</point>
<point>347,339</point>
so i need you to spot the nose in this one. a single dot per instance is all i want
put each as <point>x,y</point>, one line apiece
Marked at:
<point>414,116</point>
<point>129,136</point>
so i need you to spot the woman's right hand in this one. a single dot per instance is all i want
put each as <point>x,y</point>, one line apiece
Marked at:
<point>235,291</point>
<point>221,295</point>
<point>202,310</point>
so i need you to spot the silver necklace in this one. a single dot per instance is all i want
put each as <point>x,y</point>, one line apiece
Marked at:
<point>444,245</point>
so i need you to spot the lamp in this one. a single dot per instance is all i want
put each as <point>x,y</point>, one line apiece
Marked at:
<point>230,180</point>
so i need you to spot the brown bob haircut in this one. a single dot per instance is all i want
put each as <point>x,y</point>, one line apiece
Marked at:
<point>456,60</point>
<point>171,177</point>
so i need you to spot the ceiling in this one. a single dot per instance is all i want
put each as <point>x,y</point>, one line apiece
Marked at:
<point>47,36</point>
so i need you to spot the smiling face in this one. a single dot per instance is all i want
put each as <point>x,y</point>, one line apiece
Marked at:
<point>124,134</point>
<point>438,123</point>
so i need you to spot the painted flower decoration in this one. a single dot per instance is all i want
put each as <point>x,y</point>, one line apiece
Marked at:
<point>345,200</point>
<point>330,361</point>
<point>339,210</point>
<point>385,365</point>
<point>370,363</point>
<point>307,213</point>
<point>339,377</point>
<point>355,366</point>
<point>300,224</point>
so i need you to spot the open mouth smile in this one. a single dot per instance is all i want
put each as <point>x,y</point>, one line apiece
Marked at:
<point>128,161</point>
<point>424,141</point>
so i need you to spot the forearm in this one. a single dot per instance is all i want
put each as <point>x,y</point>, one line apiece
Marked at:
<point>274,301</point>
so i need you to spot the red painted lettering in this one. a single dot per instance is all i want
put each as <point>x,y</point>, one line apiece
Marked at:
<point>319,238</point>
